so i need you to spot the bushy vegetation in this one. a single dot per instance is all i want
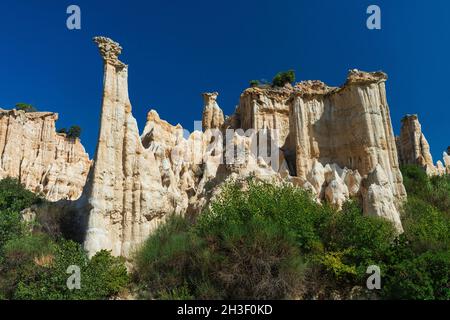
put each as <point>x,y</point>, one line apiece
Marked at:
<point>418,265</point>
<point>25,107</point>
<point>34,261</point>
<point>73,132</point>
<point>254,83</point>
<point>277,242</point>
<point>282,78</point>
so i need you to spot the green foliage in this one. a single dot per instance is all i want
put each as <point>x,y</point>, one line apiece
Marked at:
<point>417,276</point>
<point>13,199</point>
<point>35,268</point>
<point>254,83</point>
<point>292,209</point>
<point>74,132</point>
<point>242,261</point>
<point>434,191</point>
<point>360,239</point>
<point>229,250</point>
<point>418,265</point>
<point>25,107</point>
<point>13,196</point>
<point>33,264</point>
<point>246,236</point>
<point>282,78</point>
<point>10,228</point>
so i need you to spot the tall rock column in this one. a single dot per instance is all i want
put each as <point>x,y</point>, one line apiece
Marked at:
<point>124,199</point>
<point>412,145</point>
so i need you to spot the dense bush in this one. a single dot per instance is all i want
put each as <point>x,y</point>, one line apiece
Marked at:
<point>418,265</point>
<point>25,107</point>
<point>283,78</point>
<point>252,260</point>
<point>13,199</point>
<point>34,261</point>
<point>277,242</point>
<point>73,132</point>
<point>36,268</point>
<point>13,196</point>
<point>267,242</point>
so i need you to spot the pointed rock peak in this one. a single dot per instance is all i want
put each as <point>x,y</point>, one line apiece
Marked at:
<point>318,166</point>
<point>109,50</point>
<point>335,176</point>
<point>378,176</point>
<point>153,115</point>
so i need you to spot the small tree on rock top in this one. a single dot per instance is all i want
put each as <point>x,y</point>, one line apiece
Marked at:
<point>283,78</point>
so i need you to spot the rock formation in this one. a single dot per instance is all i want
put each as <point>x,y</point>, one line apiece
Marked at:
<point>413,148</point>
<point>347,128</point>
<point>336,142</point>
<point>46,162</point>
<point>212,114</point>
<point>125,196</point>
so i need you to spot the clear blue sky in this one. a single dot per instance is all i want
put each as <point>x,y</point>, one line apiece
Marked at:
<point>178,49</point>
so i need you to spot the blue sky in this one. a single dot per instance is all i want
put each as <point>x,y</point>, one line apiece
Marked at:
<point>178,49</point>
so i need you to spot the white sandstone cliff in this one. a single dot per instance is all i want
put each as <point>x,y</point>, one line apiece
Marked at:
<point>44,161</point>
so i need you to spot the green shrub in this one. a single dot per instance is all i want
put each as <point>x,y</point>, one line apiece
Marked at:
<point>33,263</point>
<point>291,209</point>
<point>418,263</point>
<point>74,132</point>
<point>25,107</point>
<point>283,78</point>
<point>434,191</point>
<point>426,228</point>
<point>14,197</point>
<point>241,261</point>
<point>242,231</point>
<point>422,277</point>
<point>363,239</point>
<point>254,83</point>
<point>252,244</point>
<point>35,268</point>
<point>11,227</point>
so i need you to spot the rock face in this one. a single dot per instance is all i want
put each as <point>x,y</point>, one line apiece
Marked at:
<point>124,197</point>
<point>44,161</point>
<point>413,148</point>
<point>336,142</point>
<point>348,128</point>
